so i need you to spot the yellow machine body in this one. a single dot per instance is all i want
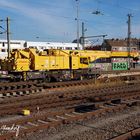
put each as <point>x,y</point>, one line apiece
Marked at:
<point>32,60</point>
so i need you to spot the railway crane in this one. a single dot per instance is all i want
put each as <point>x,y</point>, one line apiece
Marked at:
<point>30,64</point>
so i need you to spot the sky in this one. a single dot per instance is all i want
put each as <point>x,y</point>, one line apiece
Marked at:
<point>55,20</point>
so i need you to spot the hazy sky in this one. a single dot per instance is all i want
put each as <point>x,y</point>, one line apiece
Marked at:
<point>54,20</point>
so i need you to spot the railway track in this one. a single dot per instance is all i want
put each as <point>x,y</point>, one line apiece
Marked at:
<point>69,98</point>
<point>77,100</point>
<point>42,121</point>
<point>119,73</point>
<point>68,90</point>
<point>133,134</point>
<point>18,89</point>
<point>25,88</point>
<point>66,84</point>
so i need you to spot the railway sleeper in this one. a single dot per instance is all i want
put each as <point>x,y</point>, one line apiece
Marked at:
<point>132,102</point>
<point>32,124</point>
<point>41,121</point>
<point>20,92</point>
<point>26,92</point>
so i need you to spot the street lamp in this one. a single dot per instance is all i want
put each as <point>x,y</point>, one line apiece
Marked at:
<point>77,18</point>
<point>83,36</point>
<point>7,31</point>
<point>129,39</point>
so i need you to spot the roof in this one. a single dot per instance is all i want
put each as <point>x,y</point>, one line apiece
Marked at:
<point>122,42</point>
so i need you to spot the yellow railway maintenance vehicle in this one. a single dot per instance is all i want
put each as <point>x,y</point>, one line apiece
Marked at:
<point>30,64</point>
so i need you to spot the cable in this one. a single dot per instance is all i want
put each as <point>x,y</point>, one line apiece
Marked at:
<point>118,5</point>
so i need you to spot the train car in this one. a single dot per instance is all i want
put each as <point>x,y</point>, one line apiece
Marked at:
<point>31,64</point>
<point>14,44</point>
<point>22,44</point>
<point>52,45</point>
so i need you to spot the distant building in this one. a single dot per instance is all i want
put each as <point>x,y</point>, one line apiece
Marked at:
<point>121,45</point>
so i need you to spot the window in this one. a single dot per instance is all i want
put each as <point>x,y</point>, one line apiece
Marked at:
<point>42,47</point>
<point>3,44</point>
<point>15,43</point>
<point>3,50</point>
<point>59,48</point>
<point>114,49</point>
<point>32,46</point>
<point>68,48</point>
<point>134,49</point>
<point>25,45</point>
<point>84,60</point>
